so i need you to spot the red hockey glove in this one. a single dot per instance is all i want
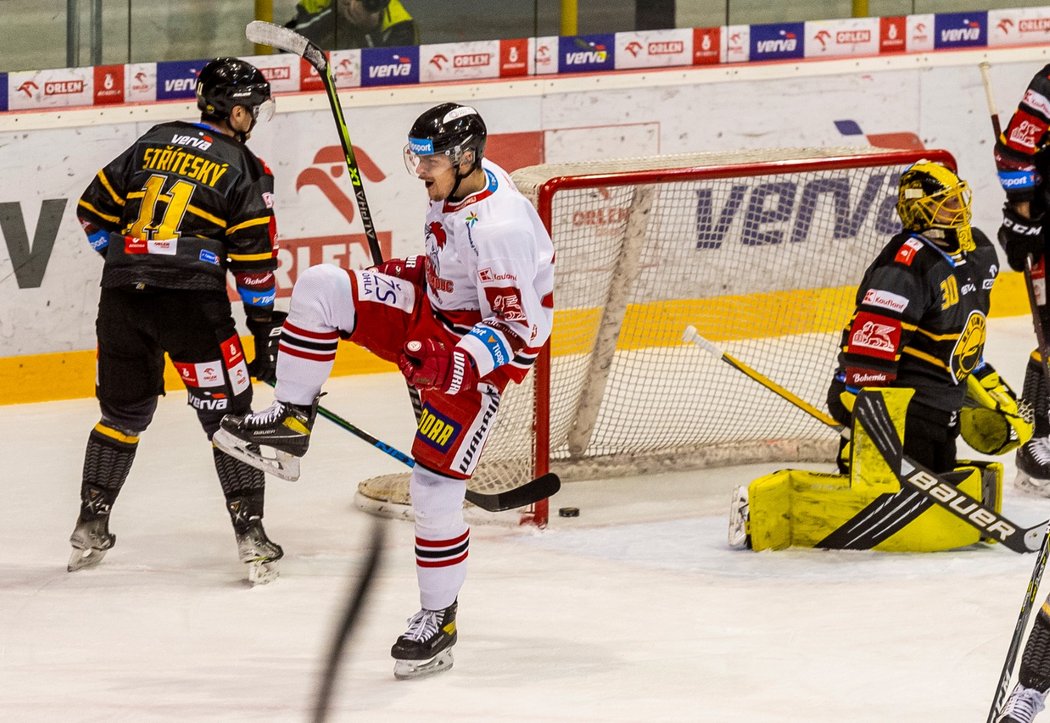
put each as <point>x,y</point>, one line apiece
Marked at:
<point>430,364</point>
<point>411,269</point>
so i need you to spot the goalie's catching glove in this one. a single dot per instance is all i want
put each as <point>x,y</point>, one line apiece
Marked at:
<point>267,335</point>
<point>993,421</point>
<point>430,364</point>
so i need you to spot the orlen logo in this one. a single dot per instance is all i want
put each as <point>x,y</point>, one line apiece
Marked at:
<point>823,37</point>
<point>666,47</point>
<point>63,87</point>
<point>1005,25</point>
<point>633,47</point>
<point>401,69</point>
<point>465,60</point>
<point>28,87</point>
<point>1033,25</point>
<point>849,37</point>
<point>282,72</point>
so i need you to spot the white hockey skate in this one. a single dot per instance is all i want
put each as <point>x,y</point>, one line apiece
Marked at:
<point>426,647</point>
<point>739,520</point>
<point>90,540</point>
<point>259,553</point>
<point>1033,467</point>
<point>283,429</point>
<point>1022,706</point>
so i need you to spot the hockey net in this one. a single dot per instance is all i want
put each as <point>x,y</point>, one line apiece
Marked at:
<point>761,251</point>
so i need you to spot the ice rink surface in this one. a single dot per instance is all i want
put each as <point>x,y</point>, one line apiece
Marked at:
<point>634,611</point>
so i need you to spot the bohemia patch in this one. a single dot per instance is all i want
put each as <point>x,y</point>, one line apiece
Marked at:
<point>437,430</point>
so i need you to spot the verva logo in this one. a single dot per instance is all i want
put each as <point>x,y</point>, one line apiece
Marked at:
<point>955,30</point>
<point>381,67</point>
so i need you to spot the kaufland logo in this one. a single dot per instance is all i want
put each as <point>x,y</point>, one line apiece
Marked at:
<point>63,87</point>
<point>278,73</point>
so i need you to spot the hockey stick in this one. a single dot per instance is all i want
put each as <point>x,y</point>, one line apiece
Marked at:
<point>286,39</point>
<point>358,598</point>
<point>1028,602</point>
<point>529,493</point>
<point>909,473</point>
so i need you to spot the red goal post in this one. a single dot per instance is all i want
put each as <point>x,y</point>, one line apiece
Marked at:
<point>760,250</point>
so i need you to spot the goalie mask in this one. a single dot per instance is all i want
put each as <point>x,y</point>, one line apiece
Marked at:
<point>225,83</point>
<point>447,130</point>
<point>935,202</point>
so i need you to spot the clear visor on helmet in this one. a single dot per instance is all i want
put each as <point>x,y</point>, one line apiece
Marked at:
<point>950,208</point>
<point>264,111</point>
<point>420,157</point>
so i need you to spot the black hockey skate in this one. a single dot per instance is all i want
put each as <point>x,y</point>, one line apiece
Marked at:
<point>426,647</point>
<point>282,427</point>
<point>90,540</point>
<point>1033,466</point>
<point>258,552</point>
<point>1022,705</point>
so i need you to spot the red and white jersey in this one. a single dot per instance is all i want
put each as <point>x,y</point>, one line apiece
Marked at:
<point>490,274</point>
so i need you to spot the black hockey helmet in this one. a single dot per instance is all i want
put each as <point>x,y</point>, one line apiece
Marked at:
<point>448,129</point>
<point>374,6</point>
<point>225,83</point>
<point>934,201</point>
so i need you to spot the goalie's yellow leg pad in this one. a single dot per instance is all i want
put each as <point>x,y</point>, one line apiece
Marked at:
<point>868,468</point>
<point>801,508</point>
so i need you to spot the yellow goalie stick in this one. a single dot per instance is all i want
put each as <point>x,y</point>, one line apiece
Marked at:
<point>872,413</point>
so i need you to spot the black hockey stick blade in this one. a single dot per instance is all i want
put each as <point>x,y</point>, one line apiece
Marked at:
<point>871,412</point>
<point>527,494</point>
<point>261,32</point>
<point>354,604</point>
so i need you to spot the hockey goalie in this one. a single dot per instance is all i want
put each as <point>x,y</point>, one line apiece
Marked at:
<point>917,340</point>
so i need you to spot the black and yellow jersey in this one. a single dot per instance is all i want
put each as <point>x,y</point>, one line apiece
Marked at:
<point>181,207</point>
<point>920,322</point>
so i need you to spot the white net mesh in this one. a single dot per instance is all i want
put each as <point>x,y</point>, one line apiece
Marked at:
<point>760,251</point>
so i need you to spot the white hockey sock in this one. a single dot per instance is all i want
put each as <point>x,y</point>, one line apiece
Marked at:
<point>442,537</point>
<point>322,305</point>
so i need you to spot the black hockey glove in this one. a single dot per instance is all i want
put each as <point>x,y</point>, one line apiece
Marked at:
<point>1019,237</point>
<point>267,335</point>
